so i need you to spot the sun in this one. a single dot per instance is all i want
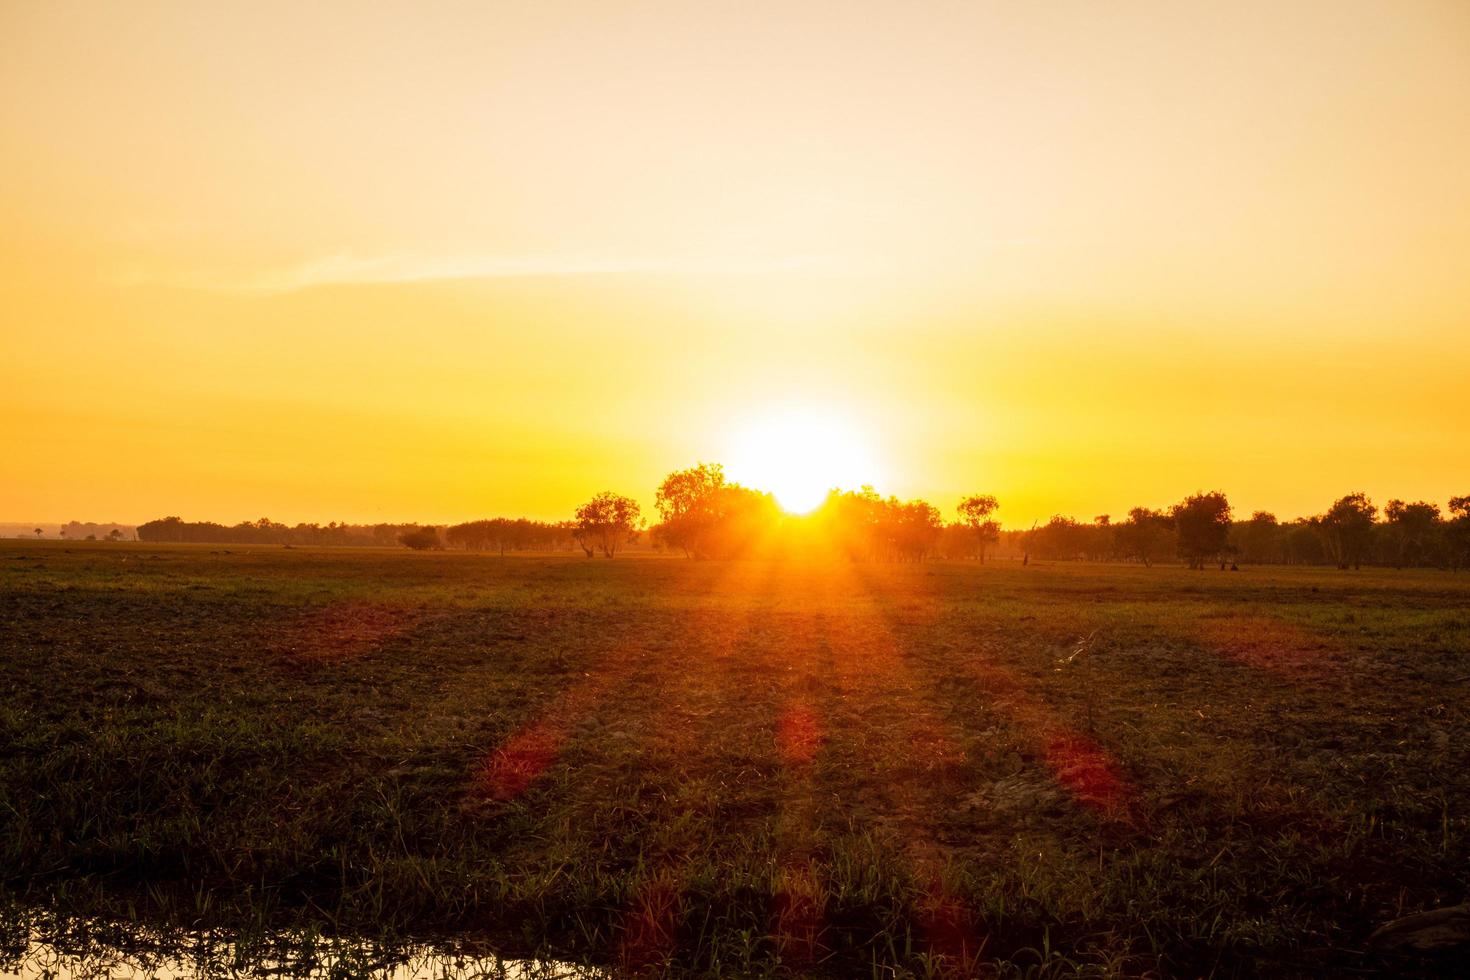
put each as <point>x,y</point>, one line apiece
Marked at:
<point>799,455</point>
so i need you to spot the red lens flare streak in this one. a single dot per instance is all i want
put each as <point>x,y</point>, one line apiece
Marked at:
<point>871,665</point>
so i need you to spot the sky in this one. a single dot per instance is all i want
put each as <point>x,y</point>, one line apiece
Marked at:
<point>337,261</point>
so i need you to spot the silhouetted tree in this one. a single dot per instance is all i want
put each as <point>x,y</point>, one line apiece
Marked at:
<point>421,539</point>
<point>1302,543</point>
<point>1412,536</point>
<point>1260,539</point>
<point>606,522</point>
<point>1100,542</point>
<point>975,514</point>
<point>1346,529</point>
<point>912,528</point>
<point>1147,536</point>
<point>1411,532</point>
<point>1202,523</point>
<point>1457,533</point>
<point>1059,539</point>
<point>863,526</point>
<point>567,534</point>
<point>688,505</point>
<point>38,532</point>
<point>706,517</point>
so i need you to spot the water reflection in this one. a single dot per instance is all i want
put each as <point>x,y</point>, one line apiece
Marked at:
<point>94,955</point>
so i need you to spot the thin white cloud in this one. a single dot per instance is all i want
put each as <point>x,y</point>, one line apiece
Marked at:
<point>348,269</point>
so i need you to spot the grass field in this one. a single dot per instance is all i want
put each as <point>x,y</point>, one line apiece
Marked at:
<point>740,768</point>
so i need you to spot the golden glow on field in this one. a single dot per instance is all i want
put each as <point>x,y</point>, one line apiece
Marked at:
<point>800,454</point>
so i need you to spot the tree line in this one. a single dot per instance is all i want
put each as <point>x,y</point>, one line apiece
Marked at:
<point>701,514</point>
<point>78,531</point>
<point>1352,532</point>
<point>266,531</point>
<point>499,535</point>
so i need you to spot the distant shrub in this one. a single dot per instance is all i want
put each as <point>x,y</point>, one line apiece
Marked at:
<point>421,539</point>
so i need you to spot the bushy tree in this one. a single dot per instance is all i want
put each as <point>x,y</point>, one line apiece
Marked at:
<point>1413,532</point>
<point>1202,526</point>
<point>1301,543</point>
<point>864,526</point>
<point>1100,542</point>
<point>1060,539</point>
<point>688,506</point>
<point>1147,536</point>
<point>1346,530</point>
<point>913,528</point>
<point>421,539</point>
<point>1457,533</point>
<point>606,522</point>
<point>706,517</point>
<point>1260,539</point>
<point>975,514</point>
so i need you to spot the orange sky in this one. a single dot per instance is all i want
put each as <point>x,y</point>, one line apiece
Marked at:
<point>434,263</point>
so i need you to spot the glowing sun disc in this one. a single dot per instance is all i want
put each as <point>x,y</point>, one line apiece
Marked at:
<point>799,456</point>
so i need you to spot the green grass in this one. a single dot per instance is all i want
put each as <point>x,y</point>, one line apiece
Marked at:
<point>733,769</point>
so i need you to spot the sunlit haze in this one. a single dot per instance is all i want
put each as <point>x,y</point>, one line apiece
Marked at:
<point>337,261</point>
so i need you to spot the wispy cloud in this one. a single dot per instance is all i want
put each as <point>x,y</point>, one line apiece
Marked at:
<point>349,269</point>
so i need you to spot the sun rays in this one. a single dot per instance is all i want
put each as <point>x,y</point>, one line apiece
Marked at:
<point>844,665</point>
